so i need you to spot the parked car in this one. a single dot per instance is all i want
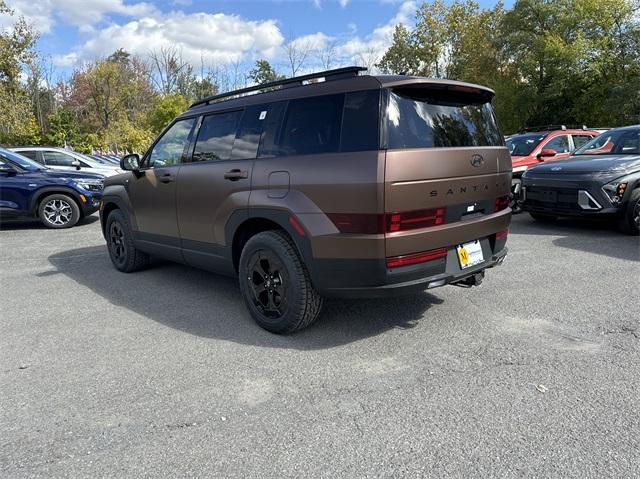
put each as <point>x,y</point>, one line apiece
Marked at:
<point>600,179</point>
<point>353,186</point>
<point>534,145</point>
<point>58,198</point>
<point>61,159</point>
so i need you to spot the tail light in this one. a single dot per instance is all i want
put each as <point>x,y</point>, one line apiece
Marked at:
<point>502,234</point>
<point>362,223</point>
<point>502,202</point>
<point>397,261</point>
<point>410,220</point>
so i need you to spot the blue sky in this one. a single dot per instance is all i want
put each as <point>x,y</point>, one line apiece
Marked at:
<point>215,33</point>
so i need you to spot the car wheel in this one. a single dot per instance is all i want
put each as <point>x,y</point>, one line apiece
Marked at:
<point>58,211</point>
<point>124,255</point>
<point>276,285</point>
<point>543,218</point>
<point>630,220</point>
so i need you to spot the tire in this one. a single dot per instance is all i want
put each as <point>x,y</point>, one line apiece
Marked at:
<point>276,285</point>
<point>630,220</point>
<point>543,218</point>
<point>124,255</point>
<point>58,211</point>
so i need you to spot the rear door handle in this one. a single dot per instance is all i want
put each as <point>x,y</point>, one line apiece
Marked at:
<point>235,175</point>
<point>167,178</point>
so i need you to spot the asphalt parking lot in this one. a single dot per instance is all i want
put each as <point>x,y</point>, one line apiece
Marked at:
<point>163,374</point>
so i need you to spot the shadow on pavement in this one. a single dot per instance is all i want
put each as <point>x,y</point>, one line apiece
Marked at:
<point>591,236</point>
<point>35,224</point>
<point>208,305</point>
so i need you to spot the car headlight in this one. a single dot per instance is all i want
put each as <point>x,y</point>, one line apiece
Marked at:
<point>615,190</point>
<point>90,185</point>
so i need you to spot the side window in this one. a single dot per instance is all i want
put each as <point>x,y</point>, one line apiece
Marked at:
<point>560,144</point>
<point>216,136</point>
<point>170,149</point>
<point>272,123</point>
<point>361,121</point>
<point>579,140</point>
<point>312,125</point>
<point>250,132</point>
<point>55,158</point>
<point>31,154</point>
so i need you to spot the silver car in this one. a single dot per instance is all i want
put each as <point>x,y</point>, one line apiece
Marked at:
<point>61,159</point>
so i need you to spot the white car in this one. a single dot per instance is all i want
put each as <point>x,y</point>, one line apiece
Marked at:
<point>61,159</point>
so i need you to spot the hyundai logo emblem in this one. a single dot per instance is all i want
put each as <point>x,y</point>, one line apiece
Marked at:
<point>556,168</point>
<point>477,161</point>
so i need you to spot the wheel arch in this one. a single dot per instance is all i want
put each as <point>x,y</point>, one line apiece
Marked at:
<point>244,224</point>
<point>54,190</point>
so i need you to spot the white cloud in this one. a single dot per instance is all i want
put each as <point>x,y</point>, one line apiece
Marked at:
<point>42,14</point>
<point>376,43</point>
<point>343,3</point>
<point>216,38</point>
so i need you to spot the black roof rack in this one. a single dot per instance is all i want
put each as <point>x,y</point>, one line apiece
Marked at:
<point>336,74</point>
<point>532,129</point>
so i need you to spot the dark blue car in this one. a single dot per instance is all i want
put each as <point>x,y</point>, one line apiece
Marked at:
<point>58,198</point>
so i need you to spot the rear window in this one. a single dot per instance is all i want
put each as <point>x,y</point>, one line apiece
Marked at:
<point>425,118</point>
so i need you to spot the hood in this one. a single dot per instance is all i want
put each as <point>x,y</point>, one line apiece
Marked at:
<point>589,164</point>
<point>75,175</point>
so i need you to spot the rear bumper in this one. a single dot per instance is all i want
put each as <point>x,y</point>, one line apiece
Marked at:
<point>371,278</point>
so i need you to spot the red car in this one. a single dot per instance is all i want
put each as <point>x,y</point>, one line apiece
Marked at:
<point>533,145</point>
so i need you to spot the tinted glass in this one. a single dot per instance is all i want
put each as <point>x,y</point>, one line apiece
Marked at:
<point>613,142</point>
<point>579,140</point>
<point>170,148</point>
<point>250,132</point>
<point>31,154</point>
<point>360,121</point>
<point>55,158</point>
<point>560,144</point>
<point>423,118</point>
<point>20,160</point>
<point>312,125</point>
<point>523,145</point>
<point>269,142</point>
<point>216,136</point>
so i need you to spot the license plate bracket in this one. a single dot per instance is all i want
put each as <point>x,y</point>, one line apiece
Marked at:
<point>469,254</point>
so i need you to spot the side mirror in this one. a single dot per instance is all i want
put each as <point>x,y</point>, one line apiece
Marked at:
<point>6,170</point>
<point>76,163</point>
<point>547,153</point>
<point>130,162</point>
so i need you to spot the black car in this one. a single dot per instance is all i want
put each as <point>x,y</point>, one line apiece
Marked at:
<point>600,179</point>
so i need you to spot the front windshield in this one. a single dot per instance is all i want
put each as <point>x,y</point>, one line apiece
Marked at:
<point>523,145</point>
<point>614,142</point>
<point>22,161</point>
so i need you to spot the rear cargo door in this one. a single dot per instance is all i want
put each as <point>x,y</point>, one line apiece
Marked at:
<point>445,163</point>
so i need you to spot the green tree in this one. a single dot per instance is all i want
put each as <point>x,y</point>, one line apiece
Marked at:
<point>401,57</point>
<point>165,109</point>
<point>264,73</point>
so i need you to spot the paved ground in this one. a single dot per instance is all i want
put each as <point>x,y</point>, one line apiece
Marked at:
<point>163,374</point>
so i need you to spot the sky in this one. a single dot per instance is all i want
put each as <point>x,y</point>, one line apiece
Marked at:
<point>214,33</point>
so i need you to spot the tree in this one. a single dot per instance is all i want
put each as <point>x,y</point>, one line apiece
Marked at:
<point>297,51</point>
<point>264,73</point>
<point>401,57</point>
<point>165,109</point>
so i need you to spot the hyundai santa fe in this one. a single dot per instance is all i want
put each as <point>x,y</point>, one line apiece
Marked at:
<point>331,184</point>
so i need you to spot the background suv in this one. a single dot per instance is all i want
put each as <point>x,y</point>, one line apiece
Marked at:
<point>61,159</point>
<point>58,198</point>
<point>601,179</point>
<point>356,185</point>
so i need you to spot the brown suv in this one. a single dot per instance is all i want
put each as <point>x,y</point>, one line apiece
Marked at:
<point>356,185</point>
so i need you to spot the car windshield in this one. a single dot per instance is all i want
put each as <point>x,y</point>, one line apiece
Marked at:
<point>21,161</point>
<point>523,145</point>
<point>613,142</point>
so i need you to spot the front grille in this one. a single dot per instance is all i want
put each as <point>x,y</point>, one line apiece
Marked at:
<point>550,197</point>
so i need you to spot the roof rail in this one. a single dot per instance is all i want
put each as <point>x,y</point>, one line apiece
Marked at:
<point>531,129</point>
<point>336,74</point>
